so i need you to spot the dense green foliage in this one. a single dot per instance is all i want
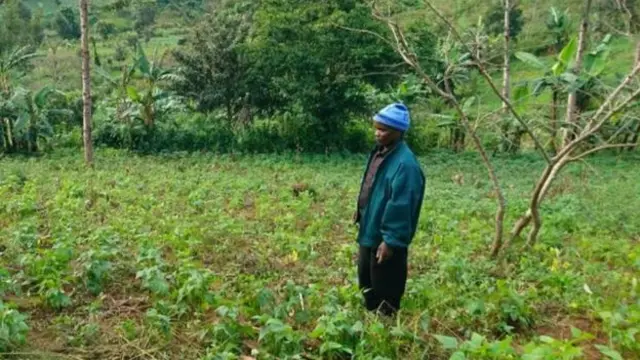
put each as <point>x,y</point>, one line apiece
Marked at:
<point>212,257</point>
<point>495,20</point>
<point>304,65</point>
<point>19,26</point>
<point>67,23</point>
<point>253,76</point>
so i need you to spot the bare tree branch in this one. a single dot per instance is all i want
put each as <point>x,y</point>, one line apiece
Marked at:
<point>620,130</point>
<point>411,58</point>
<point>614,29</point>
<point>599,148</point>
<point>593,124</point>
<point>364,31</point>
<point>592,127</point>
<point>493,86</point>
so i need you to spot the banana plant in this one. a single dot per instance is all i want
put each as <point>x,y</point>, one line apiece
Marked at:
<point>118,87</point>
<point>11,61</point>
<point>560,78</point>
<point>559,26</point>
<point>148,101</point>
<point>29,113</point>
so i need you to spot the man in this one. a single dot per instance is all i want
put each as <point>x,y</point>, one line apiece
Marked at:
<point>388,209</point>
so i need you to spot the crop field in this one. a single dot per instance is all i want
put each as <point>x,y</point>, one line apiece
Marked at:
<point>228,257</point>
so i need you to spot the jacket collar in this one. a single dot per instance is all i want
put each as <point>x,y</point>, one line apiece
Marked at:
<point>389,150</point>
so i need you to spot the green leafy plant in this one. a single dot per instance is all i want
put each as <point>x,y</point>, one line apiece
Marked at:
<point>13,328</point>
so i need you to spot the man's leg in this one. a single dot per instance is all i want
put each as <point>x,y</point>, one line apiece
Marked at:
<point>364,277</point>
<point>389,281</point>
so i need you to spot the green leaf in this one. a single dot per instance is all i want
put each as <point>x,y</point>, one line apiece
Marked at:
<point>447,342</point>
<point>447,123</point>
<point>530,59</point>
<point>105,75</point>
<point>133,94</point>
<point>539,87</point>
<point>358,327</point>
<point>143,63</point>
<point>570,78</point>
<point>568,53</point>
<point>609,352</point>
<point>458,355</point>
<point>332,346</point>
<point>575,332</point>
<point>558,68</point>
<point>521,92</point>
<point>40,98</point>
<point>46,130</point>
<point>468,103</point>
<point>547,339</point>
<point>595,64</point>
<point>21,123</point>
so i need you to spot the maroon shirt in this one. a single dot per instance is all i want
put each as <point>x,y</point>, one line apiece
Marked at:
<point>376,161</point>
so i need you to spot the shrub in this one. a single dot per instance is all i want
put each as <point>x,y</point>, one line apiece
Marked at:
<point>66,23</point>
<point>106,29</point>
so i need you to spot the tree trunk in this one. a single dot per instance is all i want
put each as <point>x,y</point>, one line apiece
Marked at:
<point>11,142</point>
<point>6,133</point>
<point>533,212</point>
<point>229,107</point>
<point>554,120</point>
<point>32,137</point>
<point>86,83</point>
<point>571,106</point>
<point>506,76</point>
<point>636,138</point>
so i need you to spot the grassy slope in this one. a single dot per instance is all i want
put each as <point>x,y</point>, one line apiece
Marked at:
<point>168,32</point>
<point>50,6</point>
<point>220,231</point>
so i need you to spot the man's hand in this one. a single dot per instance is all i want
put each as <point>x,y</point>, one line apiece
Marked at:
<point>384,252</point>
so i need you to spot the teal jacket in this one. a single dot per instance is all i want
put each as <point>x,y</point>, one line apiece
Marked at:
<point>393,208</point>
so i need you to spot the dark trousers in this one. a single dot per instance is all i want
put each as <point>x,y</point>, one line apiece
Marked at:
<point>382,284</point>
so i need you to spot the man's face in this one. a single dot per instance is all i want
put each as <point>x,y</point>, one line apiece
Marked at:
<point>385,135</point>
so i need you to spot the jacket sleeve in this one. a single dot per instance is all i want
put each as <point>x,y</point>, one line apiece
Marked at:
<point>402,210</point>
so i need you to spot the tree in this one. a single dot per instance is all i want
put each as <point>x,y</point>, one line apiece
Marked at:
<point>588,131</point>
<point>9,62</point>
<point>506,69</point>
<point>145,17</point>
<point>561,80</point>
<point>148,98</point>
<point>19,26</point>
<point>619,16</point>
<point>450,74</point>
<point>558,26</point>
<point>31,113</point>
<point>66,24</point>
<point>316,65</point>
<point>86,82</point>
<point>404,49</point>
<point>572,106</point>
<point>495,19</point>
<point>214,68</point>
<point>105,29</point>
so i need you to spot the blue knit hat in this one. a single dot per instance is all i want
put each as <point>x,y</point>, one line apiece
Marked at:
<point>395,116</point>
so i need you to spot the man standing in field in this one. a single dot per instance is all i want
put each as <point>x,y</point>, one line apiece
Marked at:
<point>388,209</point>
